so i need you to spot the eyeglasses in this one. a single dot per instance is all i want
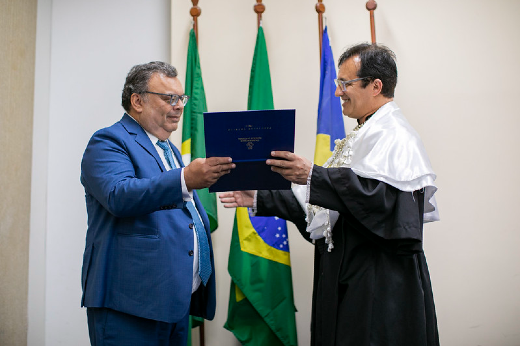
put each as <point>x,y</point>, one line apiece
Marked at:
<point>173,98</point>
<point>343,84</point>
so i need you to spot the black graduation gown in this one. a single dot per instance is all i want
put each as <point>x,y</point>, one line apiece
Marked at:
<point>373,288</point>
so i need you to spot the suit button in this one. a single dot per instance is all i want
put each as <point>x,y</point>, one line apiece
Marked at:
<point>190,226</point>
<point>190,252</point>
<point>174,206</point>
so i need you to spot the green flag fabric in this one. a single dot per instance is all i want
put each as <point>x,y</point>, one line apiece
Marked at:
<point>261,305</point>
<point>194,322</point>
<point>260,91</point>
<point>193,125</point>
<point>193,137</point>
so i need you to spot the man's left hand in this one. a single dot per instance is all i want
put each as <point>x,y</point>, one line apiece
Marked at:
<point>291,166</point>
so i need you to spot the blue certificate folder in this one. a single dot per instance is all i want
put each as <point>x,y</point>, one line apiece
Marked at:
<point>248,137</point>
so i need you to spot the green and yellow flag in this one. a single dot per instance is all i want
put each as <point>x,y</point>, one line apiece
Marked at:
<point>193,125</point>
<point>193,137</point>
<point>261,305</point>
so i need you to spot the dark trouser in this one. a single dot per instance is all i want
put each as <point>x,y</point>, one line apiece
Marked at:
<point>108,327</point>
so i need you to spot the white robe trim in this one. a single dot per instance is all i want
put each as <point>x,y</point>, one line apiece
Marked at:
<point>387,149</point>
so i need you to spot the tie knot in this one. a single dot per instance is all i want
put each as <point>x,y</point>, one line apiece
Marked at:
<point>163,145</point>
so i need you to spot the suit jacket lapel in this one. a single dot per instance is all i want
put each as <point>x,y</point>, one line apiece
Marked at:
<point>141,138</point>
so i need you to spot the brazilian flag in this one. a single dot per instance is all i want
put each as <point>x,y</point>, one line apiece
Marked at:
<point>261,305</point>
<point>330,118</point>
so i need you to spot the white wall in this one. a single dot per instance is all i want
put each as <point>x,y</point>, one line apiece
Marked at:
<point>458,64</point>
<point>88,47</point>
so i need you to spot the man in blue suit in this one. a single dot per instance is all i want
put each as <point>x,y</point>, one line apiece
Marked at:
<point>148,261</point>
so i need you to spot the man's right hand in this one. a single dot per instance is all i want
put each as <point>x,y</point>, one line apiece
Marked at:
<point>237,198</point>
<point>201,173</point>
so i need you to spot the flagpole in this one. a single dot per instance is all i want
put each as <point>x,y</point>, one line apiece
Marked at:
<point>195,11</point>
<point>320,8</point>
<point>259,9</point>
<point>371,6</point>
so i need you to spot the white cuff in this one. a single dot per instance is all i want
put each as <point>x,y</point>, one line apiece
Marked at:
<point>186,195</point>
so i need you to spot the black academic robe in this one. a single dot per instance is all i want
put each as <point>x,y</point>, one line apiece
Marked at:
<point>373,288</point>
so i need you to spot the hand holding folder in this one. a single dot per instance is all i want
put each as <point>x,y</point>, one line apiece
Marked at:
<point>249,137</point>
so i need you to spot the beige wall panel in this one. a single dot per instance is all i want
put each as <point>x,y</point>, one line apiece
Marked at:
<point>17,42</point>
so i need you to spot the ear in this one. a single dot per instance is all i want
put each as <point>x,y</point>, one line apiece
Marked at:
<point>136,101</point>
<point>377,87</point>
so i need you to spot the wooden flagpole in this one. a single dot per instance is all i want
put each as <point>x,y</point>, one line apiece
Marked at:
<point>371,7</point>
<point>259,9</point>
<point>195,12</point>
<point>320,8</point>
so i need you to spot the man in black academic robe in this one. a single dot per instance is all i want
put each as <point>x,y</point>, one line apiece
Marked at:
<point>364,210</point>
<point>373,288</point>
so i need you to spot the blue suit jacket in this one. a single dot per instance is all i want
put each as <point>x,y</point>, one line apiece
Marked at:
<point>139,246</point>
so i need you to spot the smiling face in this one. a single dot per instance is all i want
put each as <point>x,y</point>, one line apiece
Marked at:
<point>357,102</point>
<point>154,112</point>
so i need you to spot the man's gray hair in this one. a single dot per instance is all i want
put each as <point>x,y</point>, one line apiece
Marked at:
<point>139,76</point>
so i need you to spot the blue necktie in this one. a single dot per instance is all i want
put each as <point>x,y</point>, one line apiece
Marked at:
<point>202,238</point>
<point>167,152</point>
